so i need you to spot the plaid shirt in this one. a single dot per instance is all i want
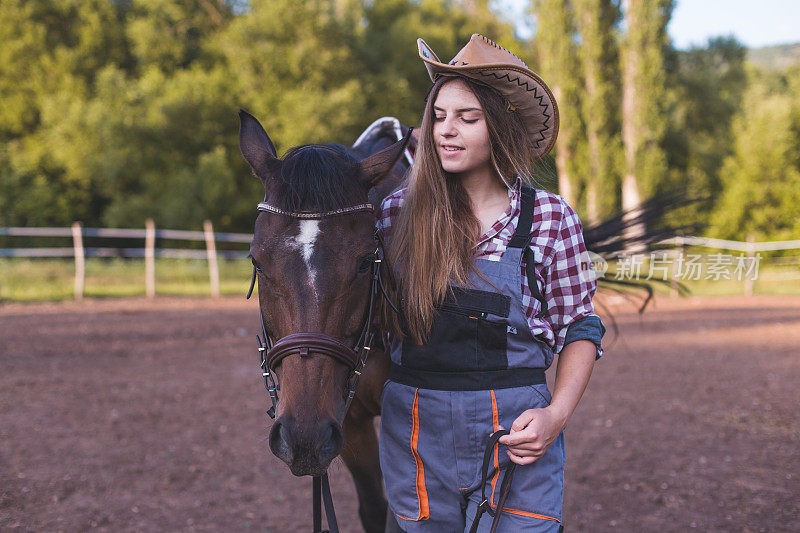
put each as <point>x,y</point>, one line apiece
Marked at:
<point>557,248</point>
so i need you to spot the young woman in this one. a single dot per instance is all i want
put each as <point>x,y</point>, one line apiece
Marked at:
<point>493,280</point>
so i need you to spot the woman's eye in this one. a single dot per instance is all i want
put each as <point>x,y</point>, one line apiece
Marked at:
<point>438,119</point>
<point>470,121</point>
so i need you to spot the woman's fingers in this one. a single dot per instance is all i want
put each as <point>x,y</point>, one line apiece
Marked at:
<point>522,459</point>
<point>525,428</point>
<point>530,436</point>
<point>528,449</point>
<point>527,444</point>
<point>523,420</point>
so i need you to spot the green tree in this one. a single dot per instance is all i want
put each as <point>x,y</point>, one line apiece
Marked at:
<point>297,70</point>
<point>167,151</point>
<point>597,20</point>
<point>560,68</point>
<point>322,70</point>
<point>705,87</point>
<point>395,80</point>
<point>50,50</point>
<point>113,112</point>
<point>643,97</point>
<point>761,178</point>
<point>173,34</point>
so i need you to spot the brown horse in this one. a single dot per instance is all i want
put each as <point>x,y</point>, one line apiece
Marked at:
<point>314,276</point>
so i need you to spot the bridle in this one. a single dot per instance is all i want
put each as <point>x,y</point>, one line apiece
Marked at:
<point>304,344</point>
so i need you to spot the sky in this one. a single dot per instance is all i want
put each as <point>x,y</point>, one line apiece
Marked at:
<point>755,23</point>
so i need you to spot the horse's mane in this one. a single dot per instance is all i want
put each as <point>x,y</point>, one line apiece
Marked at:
<point>318,177</point>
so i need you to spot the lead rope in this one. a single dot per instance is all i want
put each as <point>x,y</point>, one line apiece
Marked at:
<point>485,506</point>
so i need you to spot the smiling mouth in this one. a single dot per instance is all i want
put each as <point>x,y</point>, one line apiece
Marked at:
<point>451,148</point>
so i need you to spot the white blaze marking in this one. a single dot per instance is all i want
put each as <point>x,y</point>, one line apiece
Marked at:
<point>309,230</point>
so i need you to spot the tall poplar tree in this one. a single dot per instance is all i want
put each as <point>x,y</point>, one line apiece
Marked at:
<point>560,68</point>
<point>643,119</point>
<point>596,21</point>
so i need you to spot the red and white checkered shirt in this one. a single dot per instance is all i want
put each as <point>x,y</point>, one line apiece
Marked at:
<point>557,247</point>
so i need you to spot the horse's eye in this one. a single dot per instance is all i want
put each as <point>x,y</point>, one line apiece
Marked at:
<point>365,263</point>
<point>252,260</point>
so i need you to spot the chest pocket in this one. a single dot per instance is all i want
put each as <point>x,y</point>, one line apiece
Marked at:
<point>469,333</point>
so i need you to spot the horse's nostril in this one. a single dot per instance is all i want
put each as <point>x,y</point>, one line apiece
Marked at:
<point>332,440</point>
<point>280,441</point>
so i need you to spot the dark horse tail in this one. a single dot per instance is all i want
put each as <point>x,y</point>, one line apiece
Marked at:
<point>641,230</point>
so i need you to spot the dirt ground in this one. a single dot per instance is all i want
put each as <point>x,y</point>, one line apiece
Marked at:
<point>128,415</point>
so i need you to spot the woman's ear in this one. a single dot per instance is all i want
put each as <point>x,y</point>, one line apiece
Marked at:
<point>377,166</point>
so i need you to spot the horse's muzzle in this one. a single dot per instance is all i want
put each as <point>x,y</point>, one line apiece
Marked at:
<point>307,451</point>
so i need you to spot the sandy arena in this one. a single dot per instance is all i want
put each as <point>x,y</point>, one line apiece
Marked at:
<point>129,415</point>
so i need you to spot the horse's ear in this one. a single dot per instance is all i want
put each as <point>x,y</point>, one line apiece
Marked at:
<point>377,166</point>
<point>256,146</point>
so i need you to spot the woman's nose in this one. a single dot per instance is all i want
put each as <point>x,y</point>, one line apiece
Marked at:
<point>448,128</point>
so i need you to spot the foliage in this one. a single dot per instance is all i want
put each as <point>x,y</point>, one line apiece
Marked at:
<point>118,112</point>
<point>597,22</point>
<point>560,67</point>
<point>112,112</point>
<point>761,178</point>
<point>704,92</point>
<point>644,84</point>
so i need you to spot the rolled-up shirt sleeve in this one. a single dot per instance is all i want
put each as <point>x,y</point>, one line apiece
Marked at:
<point>569,287</point>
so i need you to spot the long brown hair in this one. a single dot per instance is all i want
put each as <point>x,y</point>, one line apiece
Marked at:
<point>434,238</point>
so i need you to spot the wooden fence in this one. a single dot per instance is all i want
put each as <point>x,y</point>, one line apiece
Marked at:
<point>210,254</point>
<point>149,252</point>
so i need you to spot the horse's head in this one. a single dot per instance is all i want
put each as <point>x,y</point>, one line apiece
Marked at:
<point>314,277</point>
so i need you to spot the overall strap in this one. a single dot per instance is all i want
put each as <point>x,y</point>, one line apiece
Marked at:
<point>522,239</point>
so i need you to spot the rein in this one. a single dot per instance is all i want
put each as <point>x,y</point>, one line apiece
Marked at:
<point>304,344</point>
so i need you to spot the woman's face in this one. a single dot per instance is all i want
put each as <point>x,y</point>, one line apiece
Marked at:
<point>459,129</point>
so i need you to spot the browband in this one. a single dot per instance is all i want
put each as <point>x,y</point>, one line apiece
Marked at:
<point>264,206</point>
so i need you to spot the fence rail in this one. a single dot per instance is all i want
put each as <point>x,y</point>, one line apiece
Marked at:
<point>150,234</point>
<point>174,234</point>
<point>739,246</point>
<point>169,253</point>
<point>149,252</point>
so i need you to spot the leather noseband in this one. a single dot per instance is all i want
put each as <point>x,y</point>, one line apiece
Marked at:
<point>307,343</point>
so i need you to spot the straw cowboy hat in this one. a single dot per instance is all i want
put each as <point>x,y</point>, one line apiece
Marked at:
<point>488,63</point>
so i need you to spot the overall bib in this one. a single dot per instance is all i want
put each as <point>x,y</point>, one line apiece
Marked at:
<point>481,368</point>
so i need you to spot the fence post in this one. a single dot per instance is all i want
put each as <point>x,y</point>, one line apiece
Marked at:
<point>150,257</point>
<point>211,253</point>
<point>751,254</point>
<point>80,263</point>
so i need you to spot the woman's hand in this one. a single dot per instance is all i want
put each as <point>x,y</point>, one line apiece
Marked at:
<point>535,430</point>
<point>532,433</point>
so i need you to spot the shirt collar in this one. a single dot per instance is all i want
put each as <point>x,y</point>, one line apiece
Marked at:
<point>510,213</point>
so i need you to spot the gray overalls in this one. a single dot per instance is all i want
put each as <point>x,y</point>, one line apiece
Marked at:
<point>480,368</point>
